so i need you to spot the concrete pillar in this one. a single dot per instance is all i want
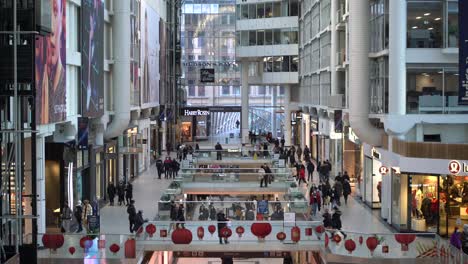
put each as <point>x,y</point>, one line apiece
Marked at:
<point>245,102</point>
<point>287,115</point>
<point>397,58</point>
<point>333,47</point>
<point>274,99</point>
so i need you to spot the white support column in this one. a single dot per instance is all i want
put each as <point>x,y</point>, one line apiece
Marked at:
<point>397,58</point>
<point>274,99</point>
<point>245,103</point>
<point>334,44</point>
<point>40,184</point>
<point>287,115</point>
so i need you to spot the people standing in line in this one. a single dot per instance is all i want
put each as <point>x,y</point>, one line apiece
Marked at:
<point>129,193</point>
<point>336,219</point>
<point>111,193</point>
<point>87,212</point>
<point>299,153</point>
<point>338,192</point>
<point>301,175</point>
<point>78,213</point>
<point>263,176</point>
<point>180,217</point>
<point>121,193</point>
<point>310,170</point>
<point>175,167</point>
<point>314,202</point>
<point>219,154</point>
<point>222,222</point>
<point>66,218</point>
<point>346,190</point>
<point>167,168</point>
<point>131,211</point>
<point>159,167</point>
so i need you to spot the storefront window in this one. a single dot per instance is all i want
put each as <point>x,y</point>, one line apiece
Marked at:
<point>424,203</point>
<point>453,203</point>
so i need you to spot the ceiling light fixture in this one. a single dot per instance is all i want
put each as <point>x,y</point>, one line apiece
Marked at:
<point>430,28</point>
<point>427,14</point>
<point>415,27</point>
<point>418,17</point>
<point>437,19</point>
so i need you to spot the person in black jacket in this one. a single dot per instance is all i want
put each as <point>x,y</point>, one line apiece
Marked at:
<point>159,167</point>
<point>310,170</point>
<point>218,148</point>
<point>139,221</point>
<point>121,193</point>
<point>131,211</point>
<point>175,166</point>
<point>327,219</point>
<point>180,217</point>
<point>78,213</point>
<point>336,219</point>
<point>129,193</point>
<point>346,190</point>
<point>222,222</point>
<point>111,193</point>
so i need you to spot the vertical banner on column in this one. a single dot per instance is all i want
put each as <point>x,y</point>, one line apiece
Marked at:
<point>463,52</point>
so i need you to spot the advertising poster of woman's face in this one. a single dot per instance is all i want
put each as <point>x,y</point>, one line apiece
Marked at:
<point>50,56</point>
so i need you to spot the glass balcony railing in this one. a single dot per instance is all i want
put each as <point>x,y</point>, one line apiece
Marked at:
<point>234,153</point>
<point>214,177</point>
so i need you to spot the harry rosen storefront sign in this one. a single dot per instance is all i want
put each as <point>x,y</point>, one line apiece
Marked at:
<point>455,167</point>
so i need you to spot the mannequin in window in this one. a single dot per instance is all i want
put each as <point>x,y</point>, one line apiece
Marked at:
<point>419,200</point>
<point>465,192</point>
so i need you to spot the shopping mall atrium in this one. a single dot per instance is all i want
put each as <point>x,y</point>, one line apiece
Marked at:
<point>234,131</point>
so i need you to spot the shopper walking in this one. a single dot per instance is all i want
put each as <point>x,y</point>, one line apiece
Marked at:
<point>310,171</point>
<point>139,221</point>
<point>338,192</point>
<point>78,213</point>
<point>314,202</point>
<point>159,167</point>
<point>301,175</point>
<point>327,219</point>
<point>131,211</point>
<point>129,193</point>
<point>87,212</point>
<point>66,218</point>
<point>121,193</point>
<point>222,223</point>
<point>299,153</point>
<point>219,154</point>
<point>167,168</point>
<point>263,176</point>
<point>455,239</point>
<point>111,193</point>
<point>175,166</point>
<point>336,219</point>
<point>180,217</point>
<point>346,191</point>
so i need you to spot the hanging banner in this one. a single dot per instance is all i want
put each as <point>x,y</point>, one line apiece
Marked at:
<point>463,52</point>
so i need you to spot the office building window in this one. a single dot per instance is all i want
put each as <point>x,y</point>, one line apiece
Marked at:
<point>225,90</point>
<point>201,91</point>
<point>452,24</point>
<point>425,24</point>
<point>191,90</point>
<point>378,25</point>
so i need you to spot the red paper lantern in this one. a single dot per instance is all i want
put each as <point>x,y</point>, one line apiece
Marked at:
<point>200,232</point>
<point>53,241</point>
<point>336,238</point>
<point>150,229</point>
<point>86,242</point>
<point>226,232</point>
<point>71,250</point>
<point>101,243</point>
<point>350,245</point>
<point>281,236</point>
<point>295,234</point>
<point>130,248</point>
<point>114,248</point>
<point>240,231</point>
<point>327,240</point>
<point>360,240</point>
<point>319,230</point>
<point>181,236</point>
<point>372,243</point>
<point>163,233</point>
<point>211,229</point>
<point>261,230</point>
<point>308,231</point>
<point>405,240</point>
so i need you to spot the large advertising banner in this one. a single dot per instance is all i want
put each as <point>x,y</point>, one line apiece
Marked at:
<point>50,64</point>
<point>463,52</point>
<point>149,63</point>
<point>92,58</point>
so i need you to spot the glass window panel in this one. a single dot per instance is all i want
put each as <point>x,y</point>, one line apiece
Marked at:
<point>268,37</point>
<point>252,38</point>
<point>424,24</point>
<point>260,37</point>
<point>268,10</point>
<point>452,24</point>
<point>261,10</point>
<point>252,11</point>
<point>276,37</point>
<point>245,11</point>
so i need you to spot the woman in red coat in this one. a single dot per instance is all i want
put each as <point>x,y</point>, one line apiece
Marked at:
<point>301,175</point>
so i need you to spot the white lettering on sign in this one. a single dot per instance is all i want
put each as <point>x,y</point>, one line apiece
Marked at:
<point>383,170</point>
<point>196,112</point>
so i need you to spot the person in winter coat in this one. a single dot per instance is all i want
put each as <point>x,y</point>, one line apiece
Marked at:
<point>121,193</point>
<point>111,193</point>
<point>167,168</point>
<point>159,167</point>
<point>346,190</point>
<point>314,202</point>
<point>327,219</point>
<point>139,221</point>
<point>212,210</point>
<point>338,192</point>
<point>131,211</point>
<point>310,171</point>
<point>263,177</point>
<point>78,213</point>
<point>219,154</point>
<point>346,176</point>
<point>129,193</point>
<point>299,153</point>
<point>301,175</point>
<point>180,217</point>
<point>336,219</point>
<point>175,168</point>
<point>464,239</point>
<point>222,222</point>
<point>455,239</point>
<point>66,217</point>
<point>87,211</point>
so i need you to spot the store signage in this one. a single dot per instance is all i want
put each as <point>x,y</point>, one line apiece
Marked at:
<point>208,63</point>
<point>375,154</point>
<point>463,52</point>
<point>83,132</point>
<point>207,75</point>
<point>455,167</point>
<point>383,170</point>
<point>195,112</point>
